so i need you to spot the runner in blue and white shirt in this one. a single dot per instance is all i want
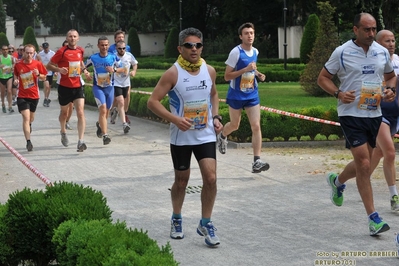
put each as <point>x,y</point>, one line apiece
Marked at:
<point>104,65</point>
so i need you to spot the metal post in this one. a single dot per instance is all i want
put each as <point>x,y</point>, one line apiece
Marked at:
<point>181,19</point>
<point>285,35</point>
<point>118,10</point>
<point>72,17</point>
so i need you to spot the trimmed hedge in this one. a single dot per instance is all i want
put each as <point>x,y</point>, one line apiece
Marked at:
<point>273,126</point>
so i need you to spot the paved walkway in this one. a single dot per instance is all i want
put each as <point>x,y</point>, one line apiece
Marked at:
<point>280,217</point>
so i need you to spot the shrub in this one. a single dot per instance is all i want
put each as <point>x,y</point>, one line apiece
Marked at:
<point>171,43</point>
<point>310,127</point>
<point>98,242</point>
<point>30,38</point>
<point>3,39</point>
<point>142,109</point>
<point>309,37</point>
<point>26,227</point>
<point>134,42</point>
<point>326,42</point>
<point>134,103</point>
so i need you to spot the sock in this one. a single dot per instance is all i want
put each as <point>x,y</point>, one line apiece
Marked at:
<point>337,183</point>
<point>256,158</point>
<point>176,215</point>
<point>204,221</point>
<point>392,190</point>
<point>27,141</point>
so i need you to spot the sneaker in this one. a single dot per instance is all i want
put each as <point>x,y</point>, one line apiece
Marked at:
<point>222,143</point>
<point>337,198</point>
<point>395,203</point>
<point>176,229</point>
<point>377,225</point>
<point>259,166</point>
<point>10,110</point>
<point>81,146</point>
<point>126,128</point>
<point>29,145</point>
<point>48,103</point>
<point>45,102</point>
<point>64,139</point>
<point>14,102</point>
<point>114,115</point>
<point>106,139</point>
<point>99,131</point>
<point>68,126</point>
<point>4,109</point>
<point>127,119</point>
<point>208,231</point>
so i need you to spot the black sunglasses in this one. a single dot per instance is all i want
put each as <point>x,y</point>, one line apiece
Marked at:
<point>121,48</point>
<point>190,45</point>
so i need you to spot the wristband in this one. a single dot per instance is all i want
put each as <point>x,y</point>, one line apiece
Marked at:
<point>218,117</point>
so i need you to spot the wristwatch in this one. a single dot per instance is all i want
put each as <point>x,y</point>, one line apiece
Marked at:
<point>218,117</point>
<point>392,89</point>
<point>336,93</point>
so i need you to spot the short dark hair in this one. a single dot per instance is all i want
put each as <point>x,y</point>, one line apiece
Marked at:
<point>189,32</point>
<point>245,25</point>
<point>119,32</point>
<point>358,17</point>
<point>102,38</point>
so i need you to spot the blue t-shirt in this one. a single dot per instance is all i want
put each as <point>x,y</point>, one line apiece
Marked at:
<point>102,77</point>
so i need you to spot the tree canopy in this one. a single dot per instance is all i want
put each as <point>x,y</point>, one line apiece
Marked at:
<point>214,18</point>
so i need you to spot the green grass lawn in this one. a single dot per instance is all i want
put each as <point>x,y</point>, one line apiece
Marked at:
<point>278,95</point>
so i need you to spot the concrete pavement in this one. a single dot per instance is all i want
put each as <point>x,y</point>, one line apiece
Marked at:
<point>280,217</point>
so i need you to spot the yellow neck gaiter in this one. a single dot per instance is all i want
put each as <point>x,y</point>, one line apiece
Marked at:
<point>187,65</point>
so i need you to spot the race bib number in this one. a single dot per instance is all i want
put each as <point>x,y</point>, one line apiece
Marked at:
<point>197,112</point>
<point>27,80</point>
<point>7,70</point>
<point>247,81</point>
<point>370,95</point>
<point>74,69</point>
<point>103,80</point>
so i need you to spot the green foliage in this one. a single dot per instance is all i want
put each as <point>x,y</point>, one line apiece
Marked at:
<point>99,242</point>
<point>26,227</point>
<point>142,109</point>
<point>3,39</point>
<point>309,37</point>
<point>171,44</point>
<point>62,204</point>
<point>30,38</point>
<point>134,42</point>
<point>326,42</point>
<point>28,222</point>
<point>312,128</point>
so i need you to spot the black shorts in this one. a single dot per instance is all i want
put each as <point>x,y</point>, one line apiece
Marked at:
<point>26,103</point>
<point>121,91</point>
<point>68,95</point>
<point>49,78</point>
<point>181,155</point>
<point>359,130</point>
<point>4,81</point>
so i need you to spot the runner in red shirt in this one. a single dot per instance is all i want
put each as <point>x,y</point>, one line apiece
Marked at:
<point>27,72</point>
<point>68,62</point>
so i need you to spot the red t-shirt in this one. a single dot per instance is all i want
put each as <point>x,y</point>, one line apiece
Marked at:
<point>71,59</point>
<point>28,87</point>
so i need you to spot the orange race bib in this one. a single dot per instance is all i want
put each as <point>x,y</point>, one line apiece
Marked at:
<point>74,69</point>
<point>197,112</point>
<point>27,80</point>
<point>370,95</point>
<point>247,81</point>
<point>103,80</point>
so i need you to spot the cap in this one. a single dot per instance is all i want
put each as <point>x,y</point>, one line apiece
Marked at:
<point>45,45</point>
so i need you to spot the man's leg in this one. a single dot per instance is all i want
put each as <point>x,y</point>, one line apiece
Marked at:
<point>120,106</point>
<point>79,107</point>
<point>3,95</point>
<point>9,94</point>
<point>209,188</point>
<point>46,91</point>
<point>253,114</point>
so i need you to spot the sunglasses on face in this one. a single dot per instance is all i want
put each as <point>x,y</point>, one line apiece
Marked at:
<point>190,45</point>
<point>121,48</point>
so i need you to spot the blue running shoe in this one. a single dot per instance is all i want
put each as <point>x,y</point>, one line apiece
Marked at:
<point>377,225</point>
<point>208,231</point>
<point>176,229</point>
